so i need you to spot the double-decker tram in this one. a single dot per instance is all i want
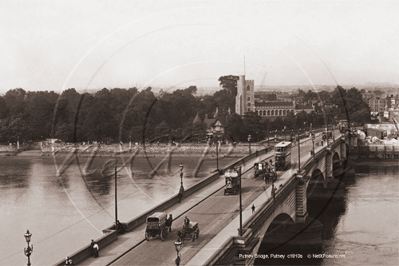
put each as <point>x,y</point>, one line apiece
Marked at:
<point>282,153</point>
<point>233,181</point>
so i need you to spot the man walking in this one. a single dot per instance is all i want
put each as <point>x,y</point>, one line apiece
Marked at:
<point>92,247</point>
<point>273,192</point>
<point>96,248</point>
<point>253,208</point>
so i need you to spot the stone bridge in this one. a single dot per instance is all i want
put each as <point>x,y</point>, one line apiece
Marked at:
<point>289,205</point>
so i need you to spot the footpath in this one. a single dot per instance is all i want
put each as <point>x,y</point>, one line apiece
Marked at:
<point>130,240</point>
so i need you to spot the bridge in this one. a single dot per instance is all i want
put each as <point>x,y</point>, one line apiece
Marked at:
<point>217,215</point>
<point>289,205</point>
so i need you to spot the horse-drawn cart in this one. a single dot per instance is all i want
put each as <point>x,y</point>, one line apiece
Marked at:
<point>158,224</point>
<point>191,229</point>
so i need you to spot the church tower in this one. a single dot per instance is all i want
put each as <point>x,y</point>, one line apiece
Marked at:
<point>245,99</point>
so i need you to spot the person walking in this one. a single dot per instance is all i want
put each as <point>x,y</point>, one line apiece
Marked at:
<point>253,208</point>
<point>92,247</point>
<point>96,248</point>
<point>273,192</point>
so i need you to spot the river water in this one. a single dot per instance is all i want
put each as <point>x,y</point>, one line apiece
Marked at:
<point>65,212</point>
<point>360,224</point>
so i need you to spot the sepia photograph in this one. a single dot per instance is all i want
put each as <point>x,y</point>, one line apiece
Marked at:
<point>199,133</point>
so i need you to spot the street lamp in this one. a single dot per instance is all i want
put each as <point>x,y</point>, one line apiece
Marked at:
<point>249,143</point>
<point>178,247</point>
<point>116,197</point>
<point>313,137</point>
<point>239,174</point>
<point>29,250</point>
<point>284,132</point>
<point>217,153</point>
<point>299,153</point>
<point>181,178</point>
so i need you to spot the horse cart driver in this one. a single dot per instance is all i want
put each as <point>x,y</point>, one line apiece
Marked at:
<point>186,221</point>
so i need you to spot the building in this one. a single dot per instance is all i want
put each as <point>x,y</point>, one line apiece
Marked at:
<point>214,126</point>
<point>245,102</point>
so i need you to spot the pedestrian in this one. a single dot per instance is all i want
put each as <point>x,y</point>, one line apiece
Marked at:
<point>253,208</point>
<point>177,261</point>
<point>96,248</point>
<point>273,192</point>
<point>92,247</point>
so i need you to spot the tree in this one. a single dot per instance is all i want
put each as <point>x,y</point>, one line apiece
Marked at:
<point>234,128</point>
<point>4,111</point>
<point>229,83</point>
<point>229,92</point>
<point>15,102</point>
<point>253,126</point>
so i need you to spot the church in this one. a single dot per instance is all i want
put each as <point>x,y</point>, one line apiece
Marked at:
<point>245,102</point>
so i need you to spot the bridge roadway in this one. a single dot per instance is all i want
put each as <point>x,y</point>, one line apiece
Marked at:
<point>209,207</point>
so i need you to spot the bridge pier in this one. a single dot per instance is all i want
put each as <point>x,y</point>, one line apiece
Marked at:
<point>301,198</point>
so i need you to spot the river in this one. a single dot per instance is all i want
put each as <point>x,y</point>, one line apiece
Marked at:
<point>359,227</point>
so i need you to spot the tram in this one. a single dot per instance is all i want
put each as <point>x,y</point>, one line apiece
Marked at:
<point>233,181</point>
<point>282,152</point>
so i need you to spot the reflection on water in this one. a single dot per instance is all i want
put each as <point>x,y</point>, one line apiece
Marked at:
<point>65,212</point>
<point>360,222</point>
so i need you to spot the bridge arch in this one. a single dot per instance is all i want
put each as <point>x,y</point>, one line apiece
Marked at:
<point>336,161</point>
<point>282,220</point>
<point>316,180</point>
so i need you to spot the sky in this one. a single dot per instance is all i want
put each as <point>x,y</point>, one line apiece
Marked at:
<point>55,45</point>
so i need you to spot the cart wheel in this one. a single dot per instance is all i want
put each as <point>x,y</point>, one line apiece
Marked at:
<point>162,235</point>
<point>147,236</point>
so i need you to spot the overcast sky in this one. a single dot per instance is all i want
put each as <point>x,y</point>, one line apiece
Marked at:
<point>55,45</point>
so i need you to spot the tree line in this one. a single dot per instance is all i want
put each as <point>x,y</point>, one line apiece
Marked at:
<point>121,115</point>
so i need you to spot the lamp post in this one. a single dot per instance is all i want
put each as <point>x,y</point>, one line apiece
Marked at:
<point>178,247</point>
<point>181,178</point>
<point>299,153</point>
<point>239,174</point>
<point>217,153</point>
<point>29,250</point>
<point>249,143</point>
<point>312,136</point>
<point>284,132</point>
<point>116,198</point>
